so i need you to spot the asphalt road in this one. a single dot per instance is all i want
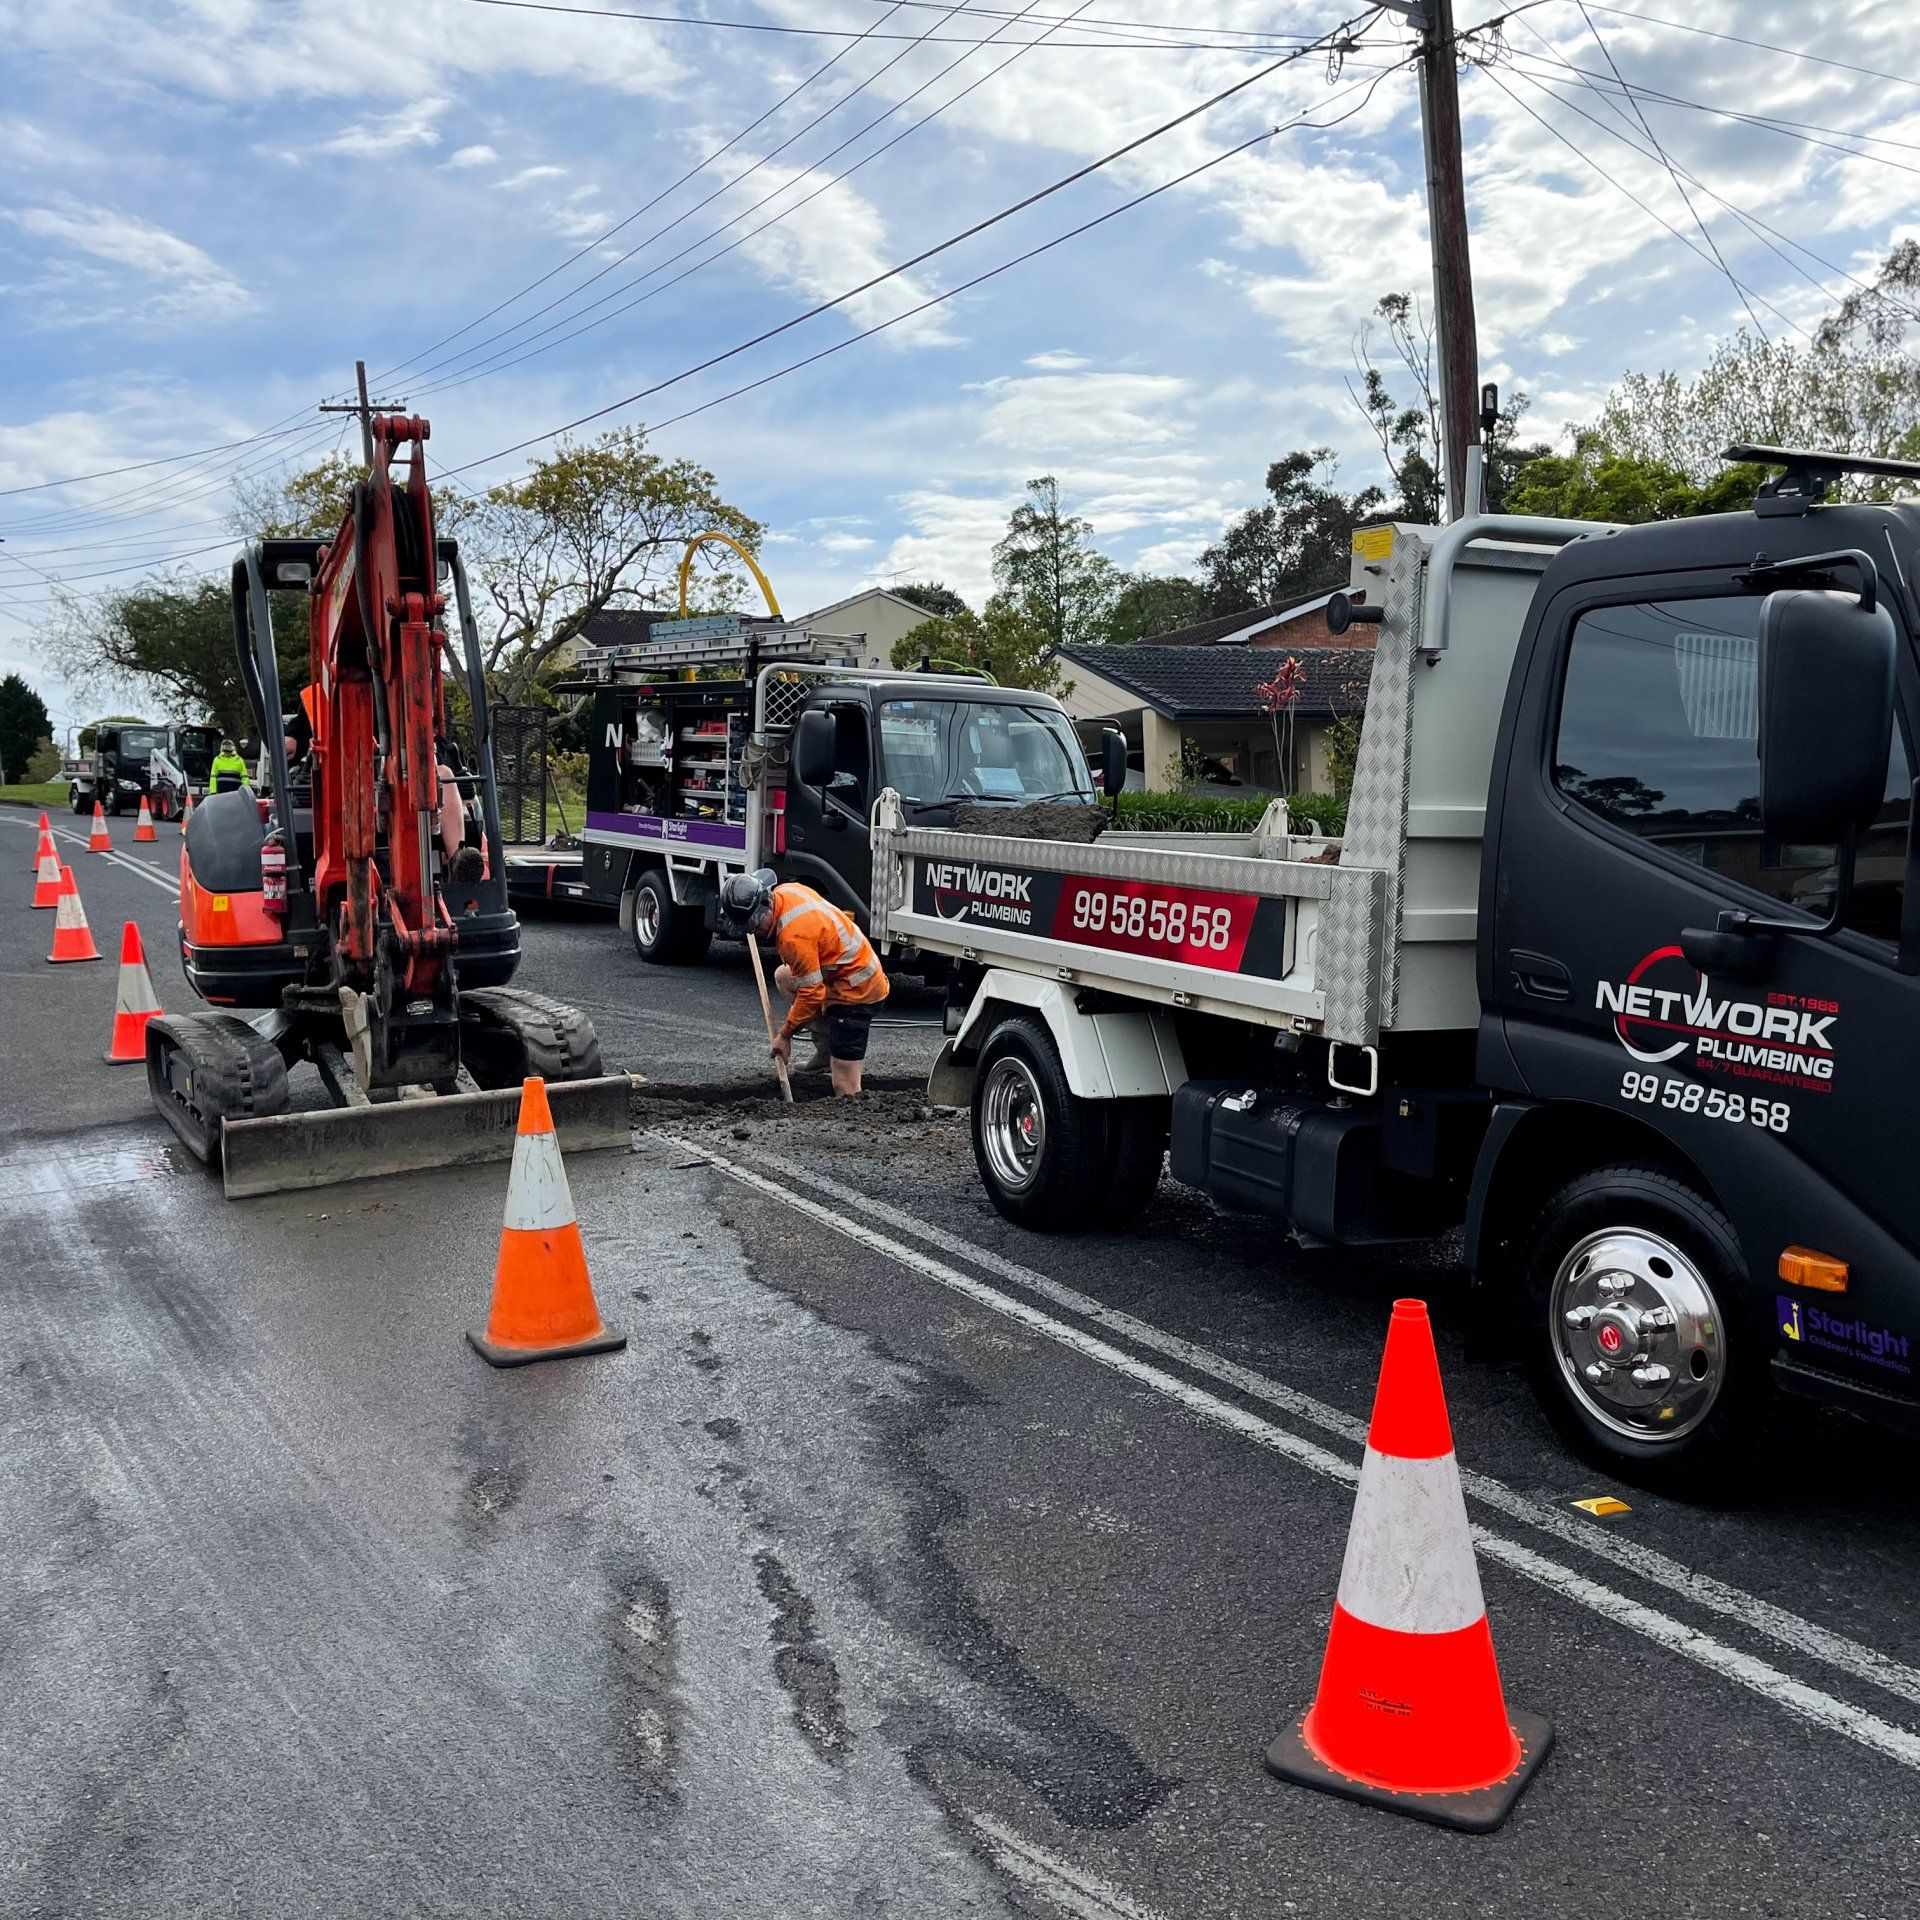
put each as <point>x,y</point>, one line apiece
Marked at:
<point>902,1564</point>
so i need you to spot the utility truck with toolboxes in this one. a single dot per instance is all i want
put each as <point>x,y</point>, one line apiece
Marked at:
<point>1616,967</point>
<point>722,744</point>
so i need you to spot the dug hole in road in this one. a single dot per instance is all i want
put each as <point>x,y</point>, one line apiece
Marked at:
<point>903,1563</point>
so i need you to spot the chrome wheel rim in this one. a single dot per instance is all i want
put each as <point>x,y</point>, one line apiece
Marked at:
<point>1638,1334</point>
<point>1013,1123</point>
<point>646,916</point>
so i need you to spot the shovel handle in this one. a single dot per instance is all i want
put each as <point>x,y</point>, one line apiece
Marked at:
<point>766,1012</point>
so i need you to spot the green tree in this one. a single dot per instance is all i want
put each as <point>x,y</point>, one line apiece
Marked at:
<point>1592,483</point>
<point>289,506</point>
<point>1296,544</point>
<point>1854,389</point>
<point>1151,604</point>
<point>1048,572</point>
<point>589,526</point>
<point>89,736</point>
<point>44,762</point>
<point>1002,640</point>
<point>935,596</point>
<point>24,723</point>
<point>172,636</point>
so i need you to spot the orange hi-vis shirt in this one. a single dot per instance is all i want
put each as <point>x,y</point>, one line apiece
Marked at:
<point>829,957</point>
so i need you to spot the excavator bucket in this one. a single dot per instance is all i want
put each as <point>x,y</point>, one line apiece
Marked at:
<point>284,1152</point>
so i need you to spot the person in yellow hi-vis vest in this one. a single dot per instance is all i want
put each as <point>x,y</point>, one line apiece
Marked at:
<point>828,967</point>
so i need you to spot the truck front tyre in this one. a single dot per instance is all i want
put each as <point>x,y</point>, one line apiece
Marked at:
<point>1640,1337</point>
<point>664,932</point>
<point>1042,1151</point>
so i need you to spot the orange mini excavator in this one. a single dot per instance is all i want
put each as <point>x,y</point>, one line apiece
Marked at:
<point>331,913</point>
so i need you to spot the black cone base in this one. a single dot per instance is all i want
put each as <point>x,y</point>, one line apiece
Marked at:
<point>1290,1758</point>
<point>496,1355</point>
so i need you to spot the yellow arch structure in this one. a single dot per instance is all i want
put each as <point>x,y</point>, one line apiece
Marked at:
<point>726,540</point>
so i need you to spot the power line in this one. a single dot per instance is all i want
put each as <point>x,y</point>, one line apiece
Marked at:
<point>1685,240</point>
<point>1123,26</point>
<point>1032,253</point>
<point>848,33</point>
<point>1639,114</point>
<point>499,362</point>
<point>1768,234</point>
<point>1765,46</point>
<point>620,226</point>
<point>140,466</point>
<point>920,258</point>
<point>954,6</point>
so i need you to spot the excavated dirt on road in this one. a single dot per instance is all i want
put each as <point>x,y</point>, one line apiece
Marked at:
<point>887,1119</point>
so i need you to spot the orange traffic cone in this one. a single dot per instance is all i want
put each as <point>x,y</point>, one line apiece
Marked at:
<point>143,827</point>
<point>134,1003</point>
<point>99,840</point>
<point>1409,1714</point>
<point>72,937</point>
<point>43,843</point>
<point>186,813</point>
<point>543,1305</point>
<point>46,876</point>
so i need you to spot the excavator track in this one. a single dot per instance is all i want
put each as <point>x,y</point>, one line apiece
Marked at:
<point>508,1033</point>
<point>205,1069</point>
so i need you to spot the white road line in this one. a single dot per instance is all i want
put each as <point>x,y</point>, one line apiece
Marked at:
<point>1763,1617</point>
<point>154,876</point>
<point>1824,1710</point>
<point>1059,1882</point>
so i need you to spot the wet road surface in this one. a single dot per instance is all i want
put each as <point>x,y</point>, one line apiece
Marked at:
<point>903,1563</point>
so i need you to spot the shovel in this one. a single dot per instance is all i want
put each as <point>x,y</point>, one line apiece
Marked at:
<point>766,1009</point>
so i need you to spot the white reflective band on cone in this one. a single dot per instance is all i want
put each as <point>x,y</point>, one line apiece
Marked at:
<point>1409,1565</point>
<point>134,993</point>
<point>538,1199</point>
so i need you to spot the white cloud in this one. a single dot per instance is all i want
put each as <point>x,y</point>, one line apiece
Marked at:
<point>1057,361</point>
<point>179,278</point>
<point>843,543</point>
<point>475,156</point>
<point>529,176</point>
<point>385,135</point>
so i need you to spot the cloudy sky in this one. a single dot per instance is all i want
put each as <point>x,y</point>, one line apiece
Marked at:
<point>209,208</point>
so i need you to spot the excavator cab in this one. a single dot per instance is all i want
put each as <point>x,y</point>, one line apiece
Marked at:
<point>352,910</point>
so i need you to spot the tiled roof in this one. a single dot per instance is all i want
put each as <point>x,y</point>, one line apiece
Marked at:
<point>1231,625</point>
<point>1214,682</point>
<point>620,626</point>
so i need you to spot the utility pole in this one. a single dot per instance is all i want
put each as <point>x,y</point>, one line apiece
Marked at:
<point>365,408</point>
<point>1447,224</point>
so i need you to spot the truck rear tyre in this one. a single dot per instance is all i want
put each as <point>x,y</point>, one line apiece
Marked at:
<point>665,933</point>
<point>77,801</point>
<point>1641,1337</point>
<point>1136,1150</point>
<point>1040,1148</point>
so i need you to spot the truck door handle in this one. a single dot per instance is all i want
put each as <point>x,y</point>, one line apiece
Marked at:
<point>1540,976</point>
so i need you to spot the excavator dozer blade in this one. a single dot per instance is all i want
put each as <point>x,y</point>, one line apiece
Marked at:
<point>288,1151</point>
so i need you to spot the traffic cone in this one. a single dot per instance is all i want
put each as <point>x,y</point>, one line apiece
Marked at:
<point>1409,1714</point>
<point>143,827</point>
<point>99,840</point>
<point>543,1305</point>
<point>72,937</point>
<point>186,813</point>
<point>43,843</point>
<point>134,1003</point>
<point>46,876</point>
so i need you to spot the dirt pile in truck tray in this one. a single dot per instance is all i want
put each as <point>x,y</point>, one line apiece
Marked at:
<point>1037,820</point>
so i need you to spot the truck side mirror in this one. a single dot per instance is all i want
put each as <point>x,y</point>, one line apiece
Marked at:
<point>1113,761</point>
<point>1826,714</point>
<point>813,742</point>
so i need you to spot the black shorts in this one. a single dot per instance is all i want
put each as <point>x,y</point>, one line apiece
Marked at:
<point>847,1030</point>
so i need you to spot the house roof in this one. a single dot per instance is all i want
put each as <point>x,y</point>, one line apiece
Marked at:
<point>1217,682</point>
<point>866,593</point>
<point>1228,628</point>
<point>621,626</point>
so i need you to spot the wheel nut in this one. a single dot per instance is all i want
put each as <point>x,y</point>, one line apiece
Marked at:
<point>1581,1316</point>
<point>1652,1376</point>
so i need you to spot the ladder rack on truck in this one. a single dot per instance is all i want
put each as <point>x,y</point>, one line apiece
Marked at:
<point>689,779</point>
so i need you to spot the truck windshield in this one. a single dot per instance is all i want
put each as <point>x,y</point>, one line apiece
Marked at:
<point>137,742</point>
<point>939,750</point>
<point>197,746</point>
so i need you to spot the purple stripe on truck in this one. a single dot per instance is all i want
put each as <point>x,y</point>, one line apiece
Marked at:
<point>650,826</point>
